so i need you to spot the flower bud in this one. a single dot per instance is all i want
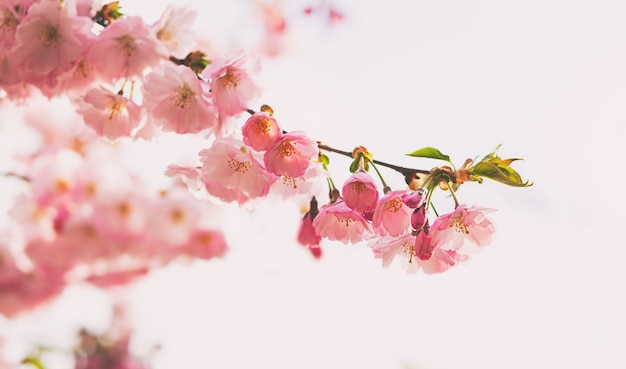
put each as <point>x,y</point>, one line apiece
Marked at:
<point>418,218</point>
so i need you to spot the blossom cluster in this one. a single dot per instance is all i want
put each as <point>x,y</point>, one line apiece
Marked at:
<point>86,217</point>
<point>397,224</point>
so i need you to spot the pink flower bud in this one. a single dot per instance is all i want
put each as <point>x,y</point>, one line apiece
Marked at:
<point>261,131</point>
<point>418,218</point>
<point>359,192</point>
<point>414,199</point>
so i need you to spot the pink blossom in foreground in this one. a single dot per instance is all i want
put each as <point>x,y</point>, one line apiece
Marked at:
<point>175,100</point>
<point>308,236</point>
<point>231,84</point>
<point>391,215</point>
<point>175,29</point>
<point>291,155</point>
<point>441,261</point>
<point>338,222</point>
<point>49,40</point>
<point>450,231</point>
<point>261,131</point>
<point>109,114</point>
<point>126,48</point>
<point>231,172</point>
<point>293,186</point>
<point>388,248</point>
<point>359,192</point>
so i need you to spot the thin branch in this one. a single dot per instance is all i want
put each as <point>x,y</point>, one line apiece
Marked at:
<point>402,170</point>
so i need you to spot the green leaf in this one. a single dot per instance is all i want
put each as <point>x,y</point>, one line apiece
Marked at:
<point>430,152</point>
<point>500,173</point>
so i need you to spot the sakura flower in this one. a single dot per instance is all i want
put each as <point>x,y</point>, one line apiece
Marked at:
<point>110,115</point>
<point>392,215</point>
<point>50,39</point>
<point>388,248</point>
<point>54,176</point>
<point>205,244</point>
<point>261,131</point>
<point>174,29</point>
<point>338,222</point>
<point>359,192</point>
<point>125,49</point>
<point>11,14</point>
<point>441,261</point>
<point>175,217</point>
<point>291,155</point>
<point>230,171</point>
<point>121,216</point>
<point>307,183</point>
<point>176,101</point>
<point>450,231</point>
<point>231,84</point>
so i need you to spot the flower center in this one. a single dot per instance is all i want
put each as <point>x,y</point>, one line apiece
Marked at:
<point>286,149</point>
<point>290,181</point>
<point>348,221</point>
<point>394,205</point>
<point>123,209</point>
<point>457,223</point>
<point>231,78</point>
<point>238,166</point>
<point>263,126</point>
<point>49,36</point>
<point>358,186</point>
<point>164,34</point>
<point>126,44</point>
<point>177,216</point>
<point>8,22</point>
<point>408,248</point>
<point>115,108</point>
<point>184,97</point>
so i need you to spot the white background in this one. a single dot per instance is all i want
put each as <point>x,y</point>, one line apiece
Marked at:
<point>547,79</point>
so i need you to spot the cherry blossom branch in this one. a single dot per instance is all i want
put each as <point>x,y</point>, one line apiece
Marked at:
<point>402,170</point>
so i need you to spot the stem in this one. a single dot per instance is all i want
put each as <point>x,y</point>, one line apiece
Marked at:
<point>434,210</point>
<point>456,201</point>
<point>377,172</point>
<point>402,170</point>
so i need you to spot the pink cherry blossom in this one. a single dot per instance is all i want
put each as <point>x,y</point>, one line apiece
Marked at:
<point>287,187</point>
<point>441,261</point>
<point>126,48</point>
<point>450,231</point>
<point>338,222</point>
<point>232,173</point>
<point>54,176</point>
<point>231,84</point>
<point>49,40</point>
<point>292,155</point>
<point>387,248</point>
<point>110,115</point>
<point>359,192</point>
<point>11,14</point>
<point>391,215</point>
<point>205,244</point>
<point>174,217</point>
<point>261,131</point>
<point>307,235</point>
<point>121,215</point>
<point>175,29</point>
<point>176,101</point>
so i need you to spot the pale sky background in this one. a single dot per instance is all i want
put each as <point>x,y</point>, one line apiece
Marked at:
<point>547,79</point>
